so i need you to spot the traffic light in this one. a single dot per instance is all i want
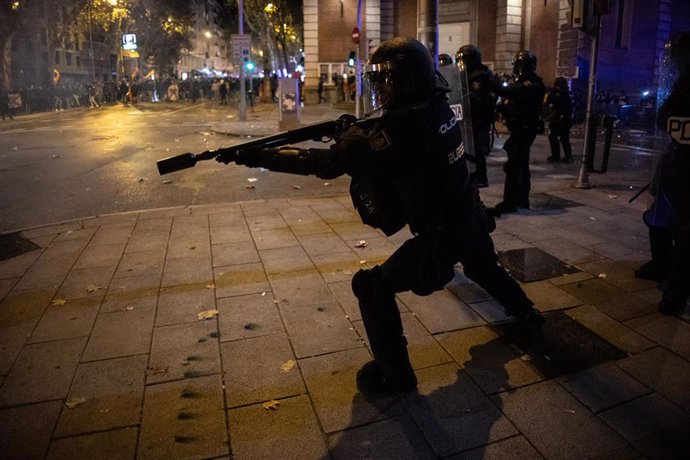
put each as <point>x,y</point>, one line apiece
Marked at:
<point>249,65</point>
<point>352,59</point>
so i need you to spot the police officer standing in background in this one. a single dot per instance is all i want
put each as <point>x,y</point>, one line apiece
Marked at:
<point>407,168</point>
<point>522,103</point>
<point>482,107</point>
<point>560,121</point>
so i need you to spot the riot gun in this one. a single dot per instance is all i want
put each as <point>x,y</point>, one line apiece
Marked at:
<point>323,132</point>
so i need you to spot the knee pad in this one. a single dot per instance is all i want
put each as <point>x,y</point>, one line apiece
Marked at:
<point>368,285</point>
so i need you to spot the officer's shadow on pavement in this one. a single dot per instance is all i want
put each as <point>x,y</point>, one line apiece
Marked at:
<point>450,413</point>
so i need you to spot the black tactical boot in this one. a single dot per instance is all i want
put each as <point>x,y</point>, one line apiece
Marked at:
<point>671,308</point>
<point>391,370</point>
<point>530,322</point>
<point>371,379</point>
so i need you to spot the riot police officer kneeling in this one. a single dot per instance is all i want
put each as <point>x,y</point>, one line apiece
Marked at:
<point>407,167</point>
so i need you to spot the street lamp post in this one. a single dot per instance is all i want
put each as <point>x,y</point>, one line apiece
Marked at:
<point>243,100</point>
<point>587,150</point>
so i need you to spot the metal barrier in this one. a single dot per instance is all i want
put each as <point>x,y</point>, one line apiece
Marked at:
<point>607,121</point>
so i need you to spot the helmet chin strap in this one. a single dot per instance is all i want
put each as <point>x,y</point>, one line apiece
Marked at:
<point>441,84</point>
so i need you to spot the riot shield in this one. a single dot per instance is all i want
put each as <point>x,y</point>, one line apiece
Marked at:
<point>669,192</point>
<point>459,101</point>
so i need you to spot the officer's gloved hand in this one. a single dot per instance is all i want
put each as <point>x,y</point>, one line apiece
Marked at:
<point>345,121</point>
<point>250,157</point>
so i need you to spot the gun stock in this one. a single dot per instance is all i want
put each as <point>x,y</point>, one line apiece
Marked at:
<point>315,132</point>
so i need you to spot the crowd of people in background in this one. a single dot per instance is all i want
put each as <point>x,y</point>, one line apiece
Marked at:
<point>93,94</point>
<point>609,97</point>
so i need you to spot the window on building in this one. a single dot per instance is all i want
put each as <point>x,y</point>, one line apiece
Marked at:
<point>68,58</point>
<point>623,23</point>
<point>78,61</point>
<point>57,57</point>
<point>76,42</point>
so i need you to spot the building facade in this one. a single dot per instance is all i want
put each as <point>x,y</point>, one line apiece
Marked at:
<point>85,56</point>
<point>209,54</point>
<point>632,35</point>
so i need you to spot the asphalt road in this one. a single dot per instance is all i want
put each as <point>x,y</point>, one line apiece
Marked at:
<point>66,165</point>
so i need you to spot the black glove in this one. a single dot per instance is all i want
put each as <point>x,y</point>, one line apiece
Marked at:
<point>345,121</point>
<point>251,157</point>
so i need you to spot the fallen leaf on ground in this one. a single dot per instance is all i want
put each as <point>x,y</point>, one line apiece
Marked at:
<point>602,275</point>
<point>207,314</point>
<point>362,244</point>
<point>271,405</point>
<point>210,286</point>
<point>91,288</point>
<point>252,179</point>
<point>288,365</point>
<point>297,187</point>
<point>74,402</point>
<point>58,302</point>
<point>130,308</point>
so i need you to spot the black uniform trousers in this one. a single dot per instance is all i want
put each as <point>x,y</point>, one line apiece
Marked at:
<point>674,170</point>
<point>517,183</point>
<point>677,290</point>
<point>559,133</point>
<point>482,144</point>
<point>424,264</point>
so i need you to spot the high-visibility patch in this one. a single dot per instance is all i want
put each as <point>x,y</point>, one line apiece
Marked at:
<point>679,129</point>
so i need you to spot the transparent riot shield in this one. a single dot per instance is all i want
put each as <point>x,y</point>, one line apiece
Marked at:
<point>668,194</point>
<point>459,101</point>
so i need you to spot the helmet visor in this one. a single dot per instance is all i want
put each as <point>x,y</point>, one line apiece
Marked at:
<point>377,87</point>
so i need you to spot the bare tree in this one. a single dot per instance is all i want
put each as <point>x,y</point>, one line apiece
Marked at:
<point>278,27</point>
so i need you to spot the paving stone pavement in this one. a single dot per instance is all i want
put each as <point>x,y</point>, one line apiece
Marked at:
<point>230,330</point>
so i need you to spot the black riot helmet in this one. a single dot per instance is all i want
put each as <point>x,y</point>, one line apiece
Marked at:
<point>470,56</point>
<point>561,84</point>
<point>679,47</point>
<point>524,63</point>
<point>444,59</point>
<point>400,72</point>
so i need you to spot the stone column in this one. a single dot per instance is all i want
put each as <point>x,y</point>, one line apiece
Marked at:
<point>568,43</point>
<point>310,9</point>
<point>387,19</point>
<point>508,32</point>
<point>372,27</point>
